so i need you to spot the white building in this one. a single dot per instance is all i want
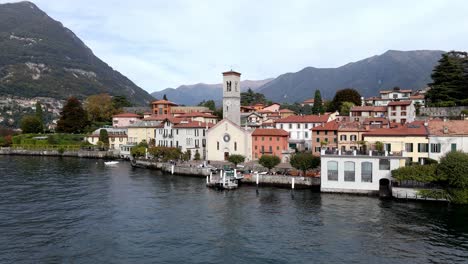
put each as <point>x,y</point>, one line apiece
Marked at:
<point>191,136</point>
<point>401,112</point>
<point>357,173</point>
<point>298,127</point>
<point>446,136</point>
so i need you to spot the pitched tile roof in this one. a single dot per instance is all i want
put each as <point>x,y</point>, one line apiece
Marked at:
<point>163,102</point>
<point>415,128</point>
<point>304,119</point>
<point>286,111</point>
<point>330,126</point>
<point>193,124</point>
<point>270,132</point>
<point>366,108</point>
<point>309,101</point>
<point>448,128</point>
<point>127,115</point>
<point>396,103</point>
<point>197,114</point>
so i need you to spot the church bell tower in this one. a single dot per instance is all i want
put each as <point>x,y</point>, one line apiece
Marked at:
<point>231,96</point>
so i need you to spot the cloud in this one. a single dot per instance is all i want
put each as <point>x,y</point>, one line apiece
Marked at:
<point>160,44</point>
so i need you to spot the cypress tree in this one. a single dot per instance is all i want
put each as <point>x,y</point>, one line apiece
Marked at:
<point>73,118</point>
<point>318,103</point>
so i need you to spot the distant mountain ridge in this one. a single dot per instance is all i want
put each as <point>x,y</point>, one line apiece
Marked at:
<point>406,69</point>
<point>195,93</point>
<point>40,57</point>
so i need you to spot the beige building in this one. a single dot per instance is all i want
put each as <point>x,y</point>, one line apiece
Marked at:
<point>142,130</point>
<point>411,138</point>
<point>349,136</point>
<point>227,138</point>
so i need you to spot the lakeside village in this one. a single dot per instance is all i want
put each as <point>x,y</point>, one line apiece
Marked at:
<point>389,145</point>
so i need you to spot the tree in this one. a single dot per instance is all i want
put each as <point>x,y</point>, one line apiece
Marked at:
<point>197,155</point>
<point>250,97</point>
<point>31,124</point>
<point>269,161</point>
<point>120,101</point>
<point>40,115</point>
<point>345,95</point>
<point>210,104</point>
<point>454,167</point>
<point>236,159</point>
<point>450,79</point>
<point>379,146</point>
<point>304,162</point>
<point>104,137</point>
<point>73,118</point>
<point>100,108</point>
<point>318,107</point>
<point>164,97</point>
<point>345,108</point>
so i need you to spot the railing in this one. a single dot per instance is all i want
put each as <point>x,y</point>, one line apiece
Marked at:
<point>338,152</point>
<point>46,147</point>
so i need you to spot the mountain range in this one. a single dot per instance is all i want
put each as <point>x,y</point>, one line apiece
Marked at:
<point>41,57</point>
<point>406,69</point>
<point>195,93</point>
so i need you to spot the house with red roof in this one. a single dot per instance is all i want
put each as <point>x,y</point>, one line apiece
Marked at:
<point>401,112</point>
<point>124,119</point>
<point>162,107</point>
<point>270,141</point>
<point>447,135</point>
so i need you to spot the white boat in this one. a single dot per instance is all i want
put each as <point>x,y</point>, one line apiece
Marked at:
<point>110,162</point>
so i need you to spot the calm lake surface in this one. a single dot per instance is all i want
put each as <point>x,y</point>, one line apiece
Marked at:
<point>55,210</point>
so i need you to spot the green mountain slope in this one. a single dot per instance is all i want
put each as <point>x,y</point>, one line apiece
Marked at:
<point>40,57</point>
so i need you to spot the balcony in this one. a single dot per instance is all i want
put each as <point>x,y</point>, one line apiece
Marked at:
<point>370,153</point>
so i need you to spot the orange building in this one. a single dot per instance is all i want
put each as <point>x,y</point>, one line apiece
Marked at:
<point>270,141</point>
<point>162,107</point>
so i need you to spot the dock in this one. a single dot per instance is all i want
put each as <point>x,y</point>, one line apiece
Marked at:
<point>224,180</point>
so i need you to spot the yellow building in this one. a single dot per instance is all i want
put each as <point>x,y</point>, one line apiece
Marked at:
<point>349,136</point>
<point>411,138</point>
<point>142,130</point>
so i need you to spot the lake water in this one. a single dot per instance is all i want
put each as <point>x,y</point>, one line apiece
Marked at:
<point>55,210</point>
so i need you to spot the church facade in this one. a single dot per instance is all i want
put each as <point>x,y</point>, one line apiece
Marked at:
<point>227,137</point>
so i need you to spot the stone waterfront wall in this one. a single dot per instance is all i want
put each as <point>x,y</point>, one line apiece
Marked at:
<point>167,167</point>
<point>283,181</point>
<point>79,153</point>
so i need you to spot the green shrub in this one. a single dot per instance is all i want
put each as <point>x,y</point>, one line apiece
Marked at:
<point>419,173</point>
<point>236,159</point>
<point>269,161</point>
<point>458,196</point>
<point>454,167</point>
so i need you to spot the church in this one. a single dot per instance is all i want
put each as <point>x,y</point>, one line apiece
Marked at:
<point>227,137</point>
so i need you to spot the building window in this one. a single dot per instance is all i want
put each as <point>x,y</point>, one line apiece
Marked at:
<point>277,147</point>
<point>256,138</point>
<point>306,135</point>
<point>217,145</point>
<point>335,140</point>
<point>281,126</point>
<point>270,139</point>
<point>298,126</point>
<point>435,147</point>
<point>326,133</point>
<point>290,126</point>
<point>384,164</point>
<point>263,149</point>
<point>343,137</point>
<point>388,147</point>
<point>349,172</point>
<point>318,132</point>
<point>235,146</point>
<point>403,113</point>
<point>306,126</point>
<point>256,147</point>
<point>403,108</point>
<point>271,149</point>
<point>277,138</point>
<point>335,133</point>
<point>409,147</point>
<point>353,137</point>
<point>317,139</point>
<point>317,149</point>
<point>332,170</point>
<point>366,171</point>
<point>453,147</point>
<point>423,147</point>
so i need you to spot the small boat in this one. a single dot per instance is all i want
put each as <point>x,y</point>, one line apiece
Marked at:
<point>110,162</point>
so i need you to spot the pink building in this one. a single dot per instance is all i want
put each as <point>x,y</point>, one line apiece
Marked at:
<point>124,120</point>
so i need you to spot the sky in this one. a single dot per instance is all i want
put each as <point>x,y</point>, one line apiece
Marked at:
<point>167,43</point>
